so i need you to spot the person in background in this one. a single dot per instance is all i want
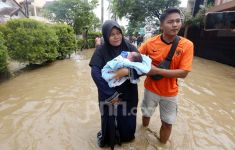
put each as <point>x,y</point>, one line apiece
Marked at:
<point>97,41</point>
<point>138,40</point>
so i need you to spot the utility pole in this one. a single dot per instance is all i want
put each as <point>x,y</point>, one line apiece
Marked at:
<point>26,8</point>
<point>205,3</point>
<point>102,11</point>
<point>196,7</point>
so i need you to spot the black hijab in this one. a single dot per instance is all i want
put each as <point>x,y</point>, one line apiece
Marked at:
<point>107,52</point>
<point>126,124</point>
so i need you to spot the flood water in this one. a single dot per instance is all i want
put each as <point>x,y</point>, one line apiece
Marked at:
<point>56,108</point>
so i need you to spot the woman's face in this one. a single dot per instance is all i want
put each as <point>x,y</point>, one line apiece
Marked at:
<point>115,37</point>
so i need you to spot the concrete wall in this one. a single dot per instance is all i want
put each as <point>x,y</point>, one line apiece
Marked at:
<point>213,45</point>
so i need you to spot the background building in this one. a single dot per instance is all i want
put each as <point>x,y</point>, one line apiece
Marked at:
<point>22,8</point>
<point>223,5</point>
<point>217,45</point>
<point>10,9</point>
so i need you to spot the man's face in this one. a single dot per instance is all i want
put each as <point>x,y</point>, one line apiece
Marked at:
<point>172,24</point>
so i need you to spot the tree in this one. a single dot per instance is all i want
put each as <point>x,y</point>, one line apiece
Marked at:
<point>133,27</point>
<point>198,20</point>
<point>138,10</point>
<point>123,30</point>
<point>76,13</point>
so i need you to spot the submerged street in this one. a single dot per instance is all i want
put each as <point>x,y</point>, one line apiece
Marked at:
<point>56,108</point>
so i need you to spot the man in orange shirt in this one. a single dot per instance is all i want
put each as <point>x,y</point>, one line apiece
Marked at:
<point>164,91</point>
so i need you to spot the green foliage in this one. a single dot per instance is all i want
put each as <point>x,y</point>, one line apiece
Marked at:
<point>188,19</point>
<point>80,43</point>
<point>3,55</point>
<point>76,13</point>
<point>93,35</point>
<point>90,39</point>
<point>4,30</point>
<point>123,30</point>
<point>91,43</point>
<point>134,27</point>
<point>85,18</point>
<point>138,10</point>
<point>67,41</point>
<point>31,41</point>
<point>23,23</point>
<point>198,20</point>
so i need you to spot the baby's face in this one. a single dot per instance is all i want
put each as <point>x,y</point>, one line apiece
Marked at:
<point>131,55</point>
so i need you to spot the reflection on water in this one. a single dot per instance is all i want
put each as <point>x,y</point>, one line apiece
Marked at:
<point>55,107</point>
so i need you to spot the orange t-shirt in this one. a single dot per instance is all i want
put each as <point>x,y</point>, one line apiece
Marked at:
<point>157,50</point>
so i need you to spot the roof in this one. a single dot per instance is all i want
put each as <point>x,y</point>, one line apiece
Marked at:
<point>10,9</point>
<point>229,6</point>
<point>6,8</point>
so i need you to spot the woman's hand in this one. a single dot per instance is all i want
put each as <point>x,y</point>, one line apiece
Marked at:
<point>121,73</point>
<point>115,101</point>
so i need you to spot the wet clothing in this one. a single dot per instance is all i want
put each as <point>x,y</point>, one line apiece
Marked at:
<point>118,123</point>
<point>168,106</point>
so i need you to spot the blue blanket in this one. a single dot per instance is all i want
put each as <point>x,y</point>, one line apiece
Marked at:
<point>120,62</point>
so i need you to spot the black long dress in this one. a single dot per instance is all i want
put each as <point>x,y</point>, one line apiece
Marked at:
<point>125,118</point>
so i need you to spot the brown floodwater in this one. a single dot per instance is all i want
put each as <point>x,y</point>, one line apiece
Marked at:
<point>56,108</point>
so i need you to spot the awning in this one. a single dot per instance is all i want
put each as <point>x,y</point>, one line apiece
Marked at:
<point>6,9</point>
<point>229,6</point>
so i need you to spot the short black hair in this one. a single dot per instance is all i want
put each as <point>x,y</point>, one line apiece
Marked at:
<point>167,12</point>
<point>137,57</point>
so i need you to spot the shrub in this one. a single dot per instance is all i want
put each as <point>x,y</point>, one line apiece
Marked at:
<point>80,42</point>
<point>91,43</point>
<point>66,38</point>
<point>91,38</point>
<point>5,31</point>
<point>3,55</point>
<point>31,41</point>
<point>93,35</point>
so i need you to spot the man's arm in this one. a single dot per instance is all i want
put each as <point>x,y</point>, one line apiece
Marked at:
<point>122,72</point>
<point>174,73</point>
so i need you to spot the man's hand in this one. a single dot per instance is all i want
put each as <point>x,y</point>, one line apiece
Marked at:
<point>121,73</point>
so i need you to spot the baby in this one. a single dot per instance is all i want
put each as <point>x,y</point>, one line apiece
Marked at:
<point>132,56</point>
<point>135,60</point>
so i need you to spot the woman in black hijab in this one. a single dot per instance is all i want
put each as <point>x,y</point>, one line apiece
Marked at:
<point>118,105</point>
